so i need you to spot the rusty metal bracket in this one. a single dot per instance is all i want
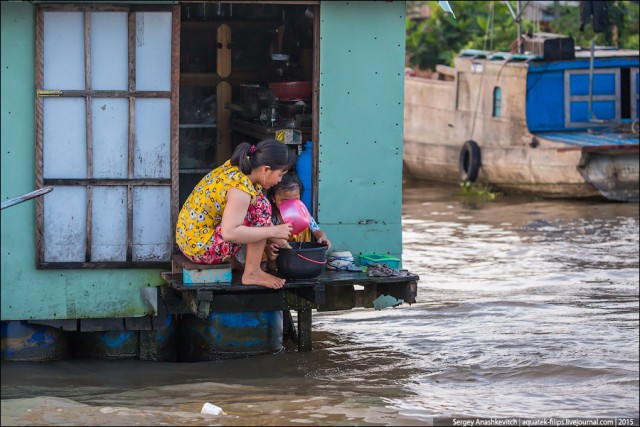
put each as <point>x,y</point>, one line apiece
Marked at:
<point>48,92</point>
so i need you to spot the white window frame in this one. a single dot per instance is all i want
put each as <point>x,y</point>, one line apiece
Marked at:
<point>568,98</point>
<point>87,94</point>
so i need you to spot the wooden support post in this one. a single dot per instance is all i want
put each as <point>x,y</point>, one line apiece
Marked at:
<point>304,330</point>
<point>197,306</point>
<point>289,327</point>
<point>370,293</point>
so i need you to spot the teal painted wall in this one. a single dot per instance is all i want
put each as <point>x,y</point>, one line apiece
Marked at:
<point>362,49</point>
<point>360,163</point>
<point>28,293</point>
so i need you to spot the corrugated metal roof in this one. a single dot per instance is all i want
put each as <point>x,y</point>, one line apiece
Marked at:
<point>591,138</point>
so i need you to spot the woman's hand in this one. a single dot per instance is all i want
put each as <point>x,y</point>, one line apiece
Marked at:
<point>282,231</point>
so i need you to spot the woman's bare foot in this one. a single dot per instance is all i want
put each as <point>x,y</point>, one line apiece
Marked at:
<point>262,278</point>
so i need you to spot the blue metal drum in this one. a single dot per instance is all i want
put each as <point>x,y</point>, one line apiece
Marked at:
<point>106,345</point>
<point>229,335</point>
<point>159,344</point>
<point>26,342</point>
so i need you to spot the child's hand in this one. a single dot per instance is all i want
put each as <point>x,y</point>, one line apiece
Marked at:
<point>282,231</point>
<point>321,238</point>
<point>325,241</point>
<point>272,250</point>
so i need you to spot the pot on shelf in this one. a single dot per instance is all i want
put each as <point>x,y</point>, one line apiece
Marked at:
<point>291,108</point>
<point>291,90</point>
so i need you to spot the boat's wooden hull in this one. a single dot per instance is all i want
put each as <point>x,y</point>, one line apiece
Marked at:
<point>544,173</point>
<point>512,158</point>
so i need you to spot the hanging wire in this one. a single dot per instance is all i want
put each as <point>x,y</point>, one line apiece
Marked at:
<point>492,36</point>
<point>488,33</point>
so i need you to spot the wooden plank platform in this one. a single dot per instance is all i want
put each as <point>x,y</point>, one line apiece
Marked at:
<point>338,278</point>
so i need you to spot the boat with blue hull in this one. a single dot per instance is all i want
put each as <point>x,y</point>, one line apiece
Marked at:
<point>555,125</point>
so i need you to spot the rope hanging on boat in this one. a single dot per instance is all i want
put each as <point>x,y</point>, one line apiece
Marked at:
<point>475,112</point>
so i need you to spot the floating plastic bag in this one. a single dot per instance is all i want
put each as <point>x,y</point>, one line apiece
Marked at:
<point>211,409</point>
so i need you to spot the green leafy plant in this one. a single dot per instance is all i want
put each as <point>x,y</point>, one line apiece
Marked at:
<point>477,192</point>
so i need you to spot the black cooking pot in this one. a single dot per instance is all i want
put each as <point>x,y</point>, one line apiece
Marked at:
<point>304,260</point>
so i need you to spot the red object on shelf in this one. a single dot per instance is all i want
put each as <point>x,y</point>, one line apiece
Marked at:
<point>291,90</point>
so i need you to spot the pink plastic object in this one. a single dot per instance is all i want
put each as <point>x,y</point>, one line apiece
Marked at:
<point>294,212</point>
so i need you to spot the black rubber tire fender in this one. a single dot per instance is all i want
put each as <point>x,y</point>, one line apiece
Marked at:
<point>470,161</point>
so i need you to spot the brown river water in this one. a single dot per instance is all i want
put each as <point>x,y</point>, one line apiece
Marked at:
<point>526,308</point>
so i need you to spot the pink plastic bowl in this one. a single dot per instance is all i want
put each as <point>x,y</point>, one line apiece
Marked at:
<point>295,213</point>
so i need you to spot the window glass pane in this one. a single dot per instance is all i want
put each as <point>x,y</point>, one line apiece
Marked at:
<point>579,112</point>
<point>109,50</point>
<point>497,102</point>
<point>153,51</point>
<point>64,144</point>
<point>110,118</point>
<point>198,52</point>
<point>198,148</point>
<point>63,50</point>
<point>198,105</point>
<point>603,84</point>
<point>603,110</point>
<point>188,181</point>
<point>152,142</point>
<point>109,224</point>
<point>151,224</point>
<point>65,216</point>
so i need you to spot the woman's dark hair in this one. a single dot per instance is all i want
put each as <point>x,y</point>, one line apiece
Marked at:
<point>268,152</point>
<point>290,181</point>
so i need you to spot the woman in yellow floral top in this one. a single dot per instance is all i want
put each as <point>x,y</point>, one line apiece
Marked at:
<point>227,209</point>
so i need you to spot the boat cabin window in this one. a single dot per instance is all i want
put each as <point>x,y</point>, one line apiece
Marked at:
<point>605,96</point>
<point>497,102</point>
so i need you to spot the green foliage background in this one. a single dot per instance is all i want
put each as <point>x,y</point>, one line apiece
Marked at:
<point>439,38</point>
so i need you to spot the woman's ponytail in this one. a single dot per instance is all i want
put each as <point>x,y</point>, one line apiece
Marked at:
<point>268,152</point>
<point>241,158</point>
